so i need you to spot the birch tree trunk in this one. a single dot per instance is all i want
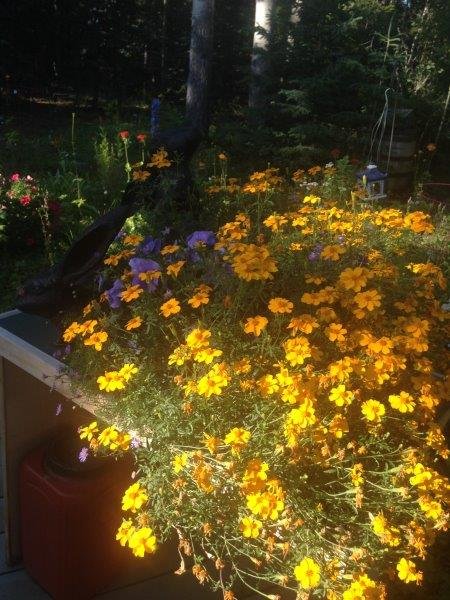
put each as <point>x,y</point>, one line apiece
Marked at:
<point>260,60</point>
<point>200,55</point>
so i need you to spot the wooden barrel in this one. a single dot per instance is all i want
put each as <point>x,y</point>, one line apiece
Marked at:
<point>398,156</point>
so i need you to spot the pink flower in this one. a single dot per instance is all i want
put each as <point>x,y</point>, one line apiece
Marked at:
<point>15,177</point>
<point>124,135</point>
<point>25,200</point>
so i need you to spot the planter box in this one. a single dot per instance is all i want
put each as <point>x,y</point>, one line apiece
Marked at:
<point>36,400</point>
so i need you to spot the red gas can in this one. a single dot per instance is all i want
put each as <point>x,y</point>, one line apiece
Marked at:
<point>69,523</point>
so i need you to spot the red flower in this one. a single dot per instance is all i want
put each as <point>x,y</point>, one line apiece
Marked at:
<point>335,153</point>
<point>15,177</point>
<point>25,200</point>
<point>141,137</point>
<point>124,135</point>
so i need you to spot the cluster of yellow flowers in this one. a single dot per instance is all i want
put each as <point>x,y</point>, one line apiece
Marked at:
<point>109,438</point>
<point>305,353</point>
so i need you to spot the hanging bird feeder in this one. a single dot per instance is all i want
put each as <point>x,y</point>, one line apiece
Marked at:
<point>372,180</point>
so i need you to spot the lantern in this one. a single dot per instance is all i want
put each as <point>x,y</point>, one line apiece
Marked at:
<point>372,180</point>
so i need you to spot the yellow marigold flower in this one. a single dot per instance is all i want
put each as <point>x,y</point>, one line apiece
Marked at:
<point>125,531</point>
<point>97,340</point>
<point>255,476</point>
<point>237,438</point>
<point>171,307</point>
<point>304,323</point>
<point>122,442</point>
<point>142,541</point>
<point>127,371</point>
<point>335,332</point>
<point>407,571</point>
<point>87,327</point>
<point>373,410</point>
<point>382,345</point>
<point>160,159</point>
<point>111,381</point>
<point>179,462</point>
<point>369,300</point>
<point>333,252</point>
<point>267,505</point>
<point>301,417</point>
<point>280,306</point>
<point>326,313</point>
<point>275,222</point>
<point>179,356</point>
<point>211,442</point>
<point>402,402</point>
<point>255,325</point>
<point>202,475</point>
<point>198,338</point>
<point>431,508</point>
<point>311,199</point>
<point>314,170</point>
<point>213,382</point>
<point>354,279</point>
<point>356,474</point>
<point>338,426</point>
<point>108,437</point>
<point>170,249</point>
<point>131,293</point>
<point>135,498</point>
<point>307,573</point>
<point>421,476</point>
<point>175,268</point>
<point>254,263</point>
<point>89,431</point>
<point>250,527</point>
<point>198,299</point>
<point>364,588</point>
<point>149,276</point>
<point>297,350</point>
<point>341,396</point>
<point>132,240</point>
<point>133,323</point>
<point>71,332</point>
<point>140,175</point>
<point>206,355</point>
<point>113,260</point>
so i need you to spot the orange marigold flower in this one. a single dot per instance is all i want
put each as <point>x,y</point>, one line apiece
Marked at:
<point>171,307</point>
<point>280,306</point>
<point>255,325</point>
<point>131,293</point>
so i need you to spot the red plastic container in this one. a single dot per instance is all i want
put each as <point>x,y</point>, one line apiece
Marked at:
<point>69,524</point>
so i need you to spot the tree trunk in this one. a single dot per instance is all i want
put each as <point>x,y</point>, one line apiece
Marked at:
<point>200,62</point>
<point>260,61</point>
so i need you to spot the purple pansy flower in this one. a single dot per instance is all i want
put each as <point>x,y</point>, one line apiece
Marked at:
<point>142,265</point>
<point>150,245</point>
<point>201,237</point>
<point>113,294</point>
<point>83,454</point>
<point>135,443</point>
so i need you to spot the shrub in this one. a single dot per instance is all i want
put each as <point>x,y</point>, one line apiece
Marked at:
<point>278,383</point>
